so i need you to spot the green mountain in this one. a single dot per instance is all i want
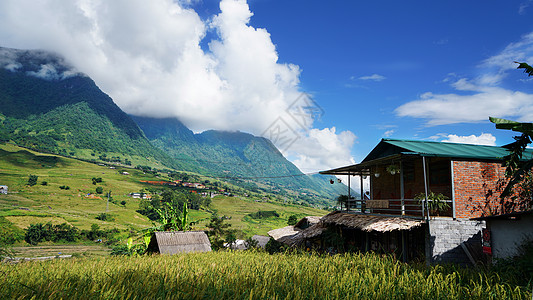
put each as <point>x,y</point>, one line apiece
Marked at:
<point>45,104</point>
<point>250,161</point>
<point>48,106</point>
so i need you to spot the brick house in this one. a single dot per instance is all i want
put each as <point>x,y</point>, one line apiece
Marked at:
<point>401,172</point>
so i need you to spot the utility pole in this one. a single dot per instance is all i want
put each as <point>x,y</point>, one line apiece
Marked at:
<point>107,204</point>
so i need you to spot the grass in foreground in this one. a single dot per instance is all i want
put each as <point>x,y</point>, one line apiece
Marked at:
<point>249,275</point>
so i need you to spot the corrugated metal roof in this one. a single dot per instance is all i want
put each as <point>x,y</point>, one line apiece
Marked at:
<point>395,149</point>
<point>443,149</point>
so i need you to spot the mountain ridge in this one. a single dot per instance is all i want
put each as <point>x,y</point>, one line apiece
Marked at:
<point>49,106</point>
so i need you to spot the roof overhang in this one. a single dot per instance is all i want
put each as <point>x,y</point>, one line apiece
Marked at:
<point>508,216</point>
<point>363,169</point>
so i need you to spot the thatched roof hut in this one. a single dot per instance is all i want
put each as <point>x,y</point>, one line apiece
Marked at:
<point>261,240</point>
<point>309,233</point>
<point>172,242</point>
<point>307,222</point>
<point>286,231</point>
<point>293,236</point>
<point>370,222</point>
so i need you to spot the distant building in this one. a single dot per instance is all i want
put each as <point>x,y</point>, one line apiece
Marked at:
<point>3,189</point>
<point>139,196</point>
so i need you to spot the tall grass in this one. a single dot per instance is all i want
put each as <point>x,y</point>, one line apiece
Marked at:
<point>249,275</point>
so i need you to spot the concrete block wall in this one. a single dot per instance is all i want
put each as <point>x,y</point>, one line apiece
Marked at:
<point>446,236</point>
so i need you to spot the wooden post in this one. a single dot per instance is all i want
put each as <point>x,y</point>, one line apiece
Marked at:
<point>362,191</point>
<point>426,208</point>
<point>402,189</point>
<point>349,194</point>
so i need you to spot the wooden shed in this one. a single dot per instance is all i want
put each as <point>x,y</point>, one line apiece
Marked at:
<point>172,242</point>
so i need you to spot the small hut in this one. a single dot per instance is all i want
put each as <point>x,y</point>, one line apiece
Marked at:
<point>261,240</point>
<point>287,231</point>
<point>358,232</point>
<point>172,242</point>
<point>307,222</point>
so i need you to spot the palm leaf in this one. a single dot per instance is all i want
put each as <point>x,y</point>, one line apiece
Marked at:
<point>527,68</point>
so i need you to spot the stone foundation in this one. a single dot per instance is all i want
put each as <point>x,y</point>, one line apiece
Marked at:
<point>446,236</point>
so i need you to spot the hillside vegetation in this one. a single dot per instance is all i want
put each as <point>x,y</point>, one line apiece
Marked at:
<point>80,204</point>
<point>50,107</point>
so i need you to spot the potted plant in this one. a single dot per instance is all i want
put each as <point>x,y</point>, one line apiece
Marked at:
<point>436,202</point>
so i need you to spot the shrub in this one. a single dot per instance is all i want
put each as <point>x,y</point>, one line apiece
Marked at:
<point>263,214</point>
<point>251,243</point>
<point>9,233</point>
<point>99,190</point>
<point>292,220</point>
<point>35,234</point>
<point>39,232</point>
<point>104,217</point>
<point>64,187</point>
<point>44,183</point>
<point>32,180</point>
<point>274,246</point>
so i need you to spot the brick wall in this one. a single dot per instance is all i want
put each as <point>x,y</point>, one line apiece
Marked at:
<point>477,186</point>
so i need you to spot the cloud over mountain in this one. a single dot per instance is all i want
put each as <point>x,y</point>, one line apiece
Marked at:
<point>152,58</point>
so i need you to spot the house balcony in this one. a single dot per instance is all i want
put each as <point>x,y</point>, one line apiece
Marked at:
<point>400,207</point>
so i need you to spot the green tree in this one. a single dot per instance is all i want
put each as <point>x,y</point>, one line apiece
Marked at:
<point>231,238</point>
<point>517,169</point>
<point>342,200</point>
<point>99,190</point>
<point>217,231</point>
<point>35,234</point>
<point>32,180</point>
<point>171,219</point>
<point>292,220</point>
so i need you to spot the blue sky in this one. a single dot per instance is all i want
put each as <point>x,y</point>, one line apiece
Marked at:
<point>413,45</point>
<point>430,70</point>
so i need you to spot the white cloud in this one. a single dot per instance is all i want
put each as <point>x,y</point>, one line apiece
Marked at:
<point>147,56</point>
<point>478,98</point>
<point>483,139</point>
<point>373,77</point>
<point>323,149</point>
<point>46,71</point>
<point>518,51</point>
<point>388,133</point>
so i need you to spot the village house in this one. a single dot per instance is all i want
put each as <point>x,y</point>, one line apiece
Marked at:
<point>140,195</point>
<point>3,189</point>
<point>423,199</point>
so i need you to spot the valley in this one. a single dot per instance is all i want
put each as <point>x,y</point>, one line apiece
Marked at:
<point>81,204</point>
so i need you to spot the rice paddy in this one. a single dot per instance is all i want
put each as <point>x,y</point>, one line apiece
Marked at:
<point>250,275</point>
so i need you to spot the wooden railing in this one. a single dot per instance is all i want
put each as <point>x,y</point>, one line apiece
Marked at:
<point>401,207</point>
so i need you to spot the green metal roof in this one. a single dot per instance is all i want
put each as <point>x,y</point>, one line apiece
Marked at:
<point>440,149</point>
<point>394,149</point>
